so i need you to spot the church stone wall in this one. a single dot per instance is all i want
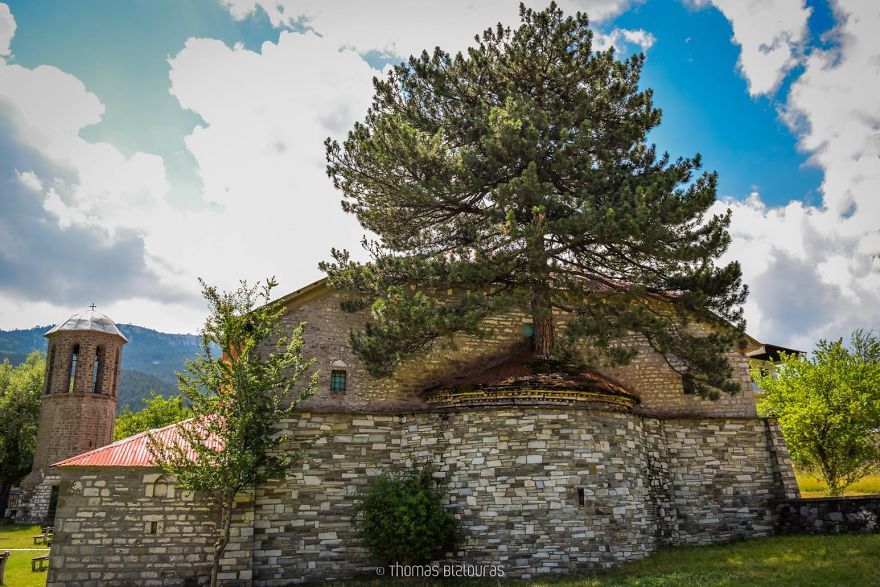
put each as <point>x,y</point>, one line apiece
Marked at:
<point>112,528</point>
<point>512,476</point>
<point>326,339</point>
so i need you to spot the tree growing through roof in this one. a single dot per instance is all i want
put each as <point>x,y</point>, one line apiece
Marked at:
<point>20,388</point>
<point>828,408</point>
<point>238,398</point>
<point>519,174</point>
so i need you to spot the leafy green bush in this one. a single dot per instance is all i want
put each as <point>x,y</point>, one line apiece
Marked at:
<point>400,518</point>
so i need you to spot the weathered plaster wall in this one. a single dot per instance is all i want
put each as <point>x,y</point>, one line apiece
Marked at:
<point>512,475</point>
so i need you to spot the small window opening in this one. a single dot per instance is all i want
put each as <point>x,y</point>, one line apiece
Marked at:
<point>71,377</point>
<point>116,375</point>
<point>338,380</point>
<point>581,498</point>
<point>50,369</point>
<point>97,370</point>
<point>154,527</point>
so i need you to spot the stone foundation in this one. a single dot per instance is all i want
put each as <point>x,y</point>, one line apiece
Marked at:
<point>513,477</point>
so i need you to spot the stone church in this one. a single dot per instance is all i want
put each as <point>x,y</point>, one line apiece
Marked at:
<point>548,471</point>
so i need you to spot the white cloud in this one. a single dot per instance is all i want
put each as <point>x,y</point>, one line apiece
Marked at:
<point>260,155</point>
<point>404,27</point>
<point>621,38</point>
<point>7,29</point>
<point>269,208</point>
<point>805,262</point>
<point>75,214</point>
<point>770,33</point>
<point>30,180</point>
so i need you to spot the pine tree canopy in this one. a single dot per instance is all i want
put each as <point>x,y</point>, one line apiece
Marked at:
<point>519,176</point>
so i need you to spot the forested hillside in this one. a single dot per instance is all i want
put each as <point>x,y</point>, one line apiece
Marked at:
<point>149,360</point>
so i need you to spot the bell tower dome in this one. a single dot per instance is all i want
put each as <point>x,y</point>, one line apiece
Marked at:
<point>78,404</point>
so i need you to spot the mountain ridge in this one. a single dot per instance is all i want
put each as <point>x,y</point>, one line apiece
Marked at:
<point>149,360</point>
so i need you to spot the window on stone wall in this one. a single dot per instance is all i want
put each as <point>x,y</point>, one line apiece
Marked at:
<point>71,377</point>
<point>581,496</point>
<point>338,380</point>
<point>116,368</point>
<point>50,368</point>
<point>98,369</point>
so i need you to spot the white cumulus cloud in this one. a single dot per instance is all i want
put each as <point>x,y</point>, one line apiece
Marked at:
<point>7,29</point>
<point>770,34</point>
<point>812,268</point>
<point>406,27</point>
<point>273,211</point>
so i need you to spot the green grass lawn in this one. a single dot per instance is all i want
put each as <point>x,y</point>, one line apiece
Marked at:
<point>18,571</point>
<point>823,561</point>
<point>18,567</point>
<point>852,561</point>
<point>811,486</point>
<point>12,536</point>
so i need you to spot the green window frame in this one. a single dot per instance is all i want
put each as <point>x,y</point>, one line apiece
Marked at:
<point>338,380</point>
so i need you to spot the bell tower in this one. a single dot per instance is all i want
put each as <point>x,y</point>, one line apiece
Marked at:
<point>78,405</point>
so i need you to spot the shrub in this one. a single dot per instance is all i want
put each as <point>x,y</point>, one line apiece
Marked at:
<point>400,518</point>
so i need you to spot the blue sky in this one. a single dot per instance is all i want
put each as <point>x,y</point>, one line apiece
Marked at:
<point>120,51</point>
<point>155,134</point>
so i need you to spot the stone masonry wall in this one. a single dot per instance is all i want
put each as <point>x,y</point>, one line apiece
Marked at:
<point>326,339</point>
<point>830,515</point>
<point>127,527</point>
<point>35,499</point>
<point>72,424</point>
<point>513,477</point>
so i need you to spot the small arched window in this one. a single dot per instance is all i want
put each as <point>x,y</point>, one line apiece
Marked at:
<point>71,377</point>
<point>98,370</point>
<point>160,488</point>
<point>50,368</point>
<point>116,368</point>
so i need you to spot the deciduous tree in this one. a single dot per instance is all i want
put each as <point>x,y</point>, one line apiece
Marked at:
<point>20,388</point>
<point>519,174</point>
<point>238,397</point>
<point>828,408</point>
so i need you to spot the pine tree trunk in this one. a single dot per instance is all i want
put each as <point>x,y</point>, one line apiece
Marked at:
<point>543,329</point>
<point>543,332</point>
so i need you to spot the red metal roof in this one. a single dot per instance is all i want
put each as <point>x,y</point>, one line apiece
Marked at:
<point>133,451</point>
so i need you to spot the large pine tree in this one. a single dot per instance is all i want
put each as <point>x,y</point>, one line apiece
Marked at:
<point>519,176</point>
